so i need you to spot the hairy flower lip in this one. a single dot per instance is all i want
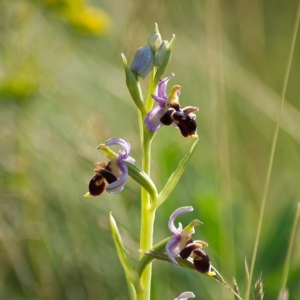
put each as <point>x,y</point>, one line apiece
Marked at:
<point>186,124</point>
<point>201,261</point>
<point>97,185</point>
<point>188,250</point>
<point>167,119</point>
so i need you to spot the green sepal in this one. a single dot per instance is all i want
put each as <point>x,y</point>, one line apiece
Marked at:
<point>130,273</point>
<point>168,188</point>
<point>143,179</point>
<point>134,87</point>
<point>164,63</point>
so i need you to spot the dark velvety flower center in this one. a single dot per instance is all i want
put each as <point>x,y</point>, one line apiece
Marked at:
<point>186,124</point>
<point>109,177</point>
<point>167,119</point>
<point>188,250</point>
<point>201,261</point>
<point>181,118</point>
<point>97,184</point>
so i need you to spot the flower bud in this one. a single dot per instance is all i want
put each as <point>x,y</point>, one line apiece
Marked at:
<point>155,39</point>
<point>143,61</point>
<point>160,53</point>
<point>163,59</point>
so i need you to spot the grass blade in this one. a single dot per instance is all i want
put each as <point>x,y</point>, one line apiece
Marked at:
<point>288,256</point>
<point>266,187</point>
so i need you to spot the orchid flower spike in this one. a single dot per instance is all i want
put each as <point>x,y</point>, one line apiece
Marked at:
<point>111,176</point>
<point>181,243</point>
<point>185,296</point>
<point>168,111</point>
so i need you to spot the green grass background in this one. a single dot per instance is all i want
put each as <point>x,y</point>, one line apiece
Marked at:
<point>63,93</point>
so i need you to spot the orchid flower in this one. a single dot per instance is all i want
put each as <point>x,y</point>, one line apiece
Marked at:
<point>114,173</point>
<point>168,111</point>
<point>185,296</point>
<point>181,243</point>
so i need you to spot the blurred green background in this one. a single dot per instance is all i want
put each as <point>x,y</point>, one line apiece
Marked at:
<point>62,92</point>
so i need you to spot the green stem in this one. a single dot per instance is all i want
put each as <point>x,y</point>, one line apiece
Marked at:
<point>147,220</point>
<point>152,88</point>
<point>146,242</point>
<point>147,213</point>
<point>266,187</point>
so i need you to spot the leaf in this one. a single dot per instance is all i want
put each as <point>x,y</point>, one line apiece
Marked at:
<point>143,179</point>
<point>134,87</point>
<point>130,273</point>
<point>168,188</point>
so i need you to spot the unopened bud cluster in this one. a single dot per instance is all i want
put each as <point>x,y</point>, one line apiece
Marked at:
<point>154,54</point>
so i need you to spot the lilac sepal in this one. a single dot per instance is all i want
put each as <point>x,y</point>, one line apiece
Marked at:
<point>173,246</point>
<point>174,215</point>
<point>152,119</point>
<point>117,186</point>
<point>124,152</point>
<point>123,155</point>
<point>160,101</point>
<point>185,296</point>
<point>162,86</point>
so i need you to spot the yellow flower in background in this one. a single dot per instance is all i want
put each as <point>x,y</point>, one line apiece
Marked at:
<point>18,86</point>
<point>88,20</point>
<point>83,18</point>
